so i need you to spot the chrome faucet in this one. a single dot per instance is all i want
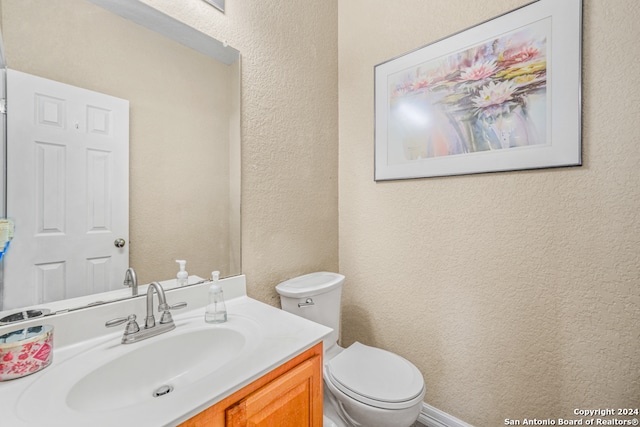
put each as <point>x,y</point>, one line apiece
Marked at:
<point>131,281</point>
<point>150,321</point>
<point>133,333</point>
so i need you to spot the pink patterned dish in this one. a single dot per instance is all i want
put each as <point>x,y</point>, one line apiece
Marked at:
<point>25,351</point>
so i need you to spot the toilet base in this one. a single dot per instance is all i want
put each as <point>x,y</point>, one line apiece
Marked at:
<point>331,416</point>
<point>327,422</point>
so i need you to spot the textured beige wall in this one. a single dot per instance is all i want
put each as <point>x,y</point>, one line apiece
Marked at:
<point>516,294</point>
<point>179,124</point>
<point>289,131</point>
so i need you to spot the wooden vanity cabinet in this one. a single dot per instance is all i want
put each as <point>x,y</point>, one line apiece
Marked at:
<point>288,396</point>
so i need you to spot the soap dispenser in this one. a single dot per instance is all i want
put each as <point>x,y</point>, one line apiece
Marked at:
<point>182,277</point>
<point>216,311</point>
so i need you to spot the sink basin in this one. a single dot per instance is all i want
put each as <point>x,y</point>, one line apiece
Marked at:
<point>162,365</point>
<point>108,377</point>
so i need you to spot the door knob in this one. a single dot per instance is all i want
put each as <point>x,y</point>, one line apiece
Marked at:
<point>119,243</point>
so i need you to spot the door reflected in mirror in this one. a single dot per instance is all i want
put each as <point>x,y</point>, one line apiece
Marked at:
<point>184,156</point>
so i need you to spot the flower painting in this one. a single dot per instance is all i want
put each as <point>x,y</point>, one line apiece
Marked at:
<point>503,95</point>
<point>488,97</point>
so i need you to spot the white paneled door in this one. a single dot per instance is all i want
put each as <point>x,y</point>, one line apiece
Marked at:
<point>67,191</point>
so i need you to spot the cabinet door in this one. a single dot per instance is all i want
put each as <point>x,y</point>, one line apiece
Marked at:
<point>292,400</point>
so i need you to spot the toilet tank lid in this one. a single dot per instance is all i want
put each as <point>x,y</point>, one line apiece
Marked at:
<point>310,284</point>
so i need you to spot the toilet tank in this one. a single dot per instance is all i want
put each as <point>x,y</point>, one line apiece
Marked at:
<point>315,296</point>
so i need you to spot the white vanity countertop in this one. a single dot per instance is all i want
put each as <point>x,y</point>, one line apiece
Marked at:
<point>39,399</point>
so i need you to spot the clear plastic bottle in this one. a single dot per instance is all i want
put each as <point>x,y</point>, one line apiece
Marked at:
<point>182,278</point>
<point>216,311</point>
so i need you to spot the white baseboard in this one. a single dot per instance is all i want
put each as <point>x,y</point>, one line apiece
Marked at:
<point>434,417</point>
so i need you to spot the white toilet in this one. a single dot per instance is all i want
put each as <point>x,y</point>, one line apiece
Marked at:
<point>363,386</point>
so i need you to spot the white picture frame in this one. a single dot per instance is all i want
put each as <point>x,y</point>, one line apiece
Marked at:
<point>503,95</point>
<point>218,4</point>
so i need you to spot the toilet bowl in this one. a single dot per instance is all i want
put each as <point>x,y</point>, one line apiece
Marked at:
<point>363,385</point>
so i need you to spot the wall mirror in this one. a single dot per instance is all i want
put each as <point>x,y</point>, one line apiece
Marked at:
<point>182,170</point>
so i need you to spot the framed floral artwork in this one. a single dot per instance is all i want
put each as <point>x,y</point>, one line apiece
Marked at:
<point>503,95</point>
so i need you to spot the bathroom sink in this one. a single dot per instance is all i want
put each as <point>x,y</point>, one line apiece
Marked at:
<point>155,370</point>
<point>109,377</point>
<point>100,382</point>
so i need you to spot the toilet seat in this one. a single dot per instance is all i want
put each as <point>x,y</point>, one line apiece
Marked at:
<point>376,377</point>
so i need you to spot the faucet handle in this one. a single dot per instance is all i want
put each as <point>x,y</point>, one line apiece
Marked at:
<point>178,305</point>
<point>166,314</point>
<point>132,326</point>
